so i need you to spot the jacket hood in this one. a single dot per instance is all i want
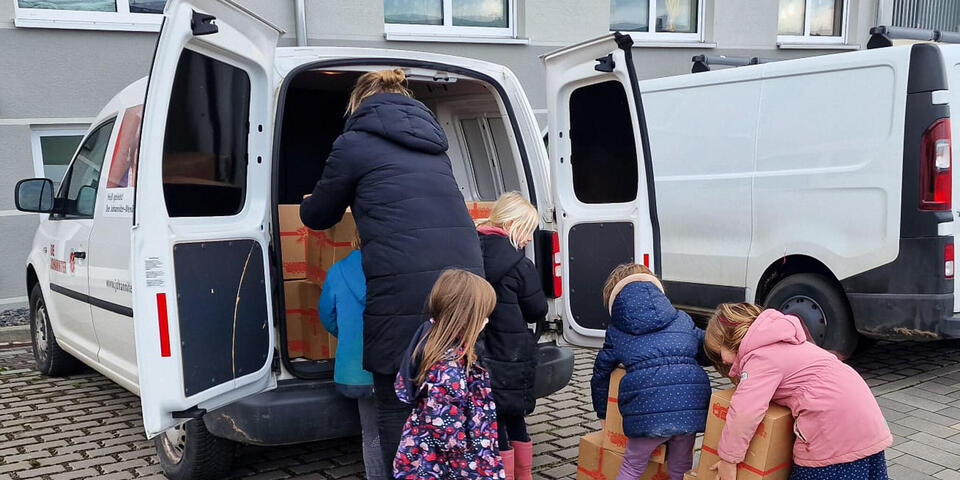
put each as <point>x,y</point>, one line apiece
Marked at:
<point>499,256</point>
<point>769,328</point>
<point>400,119</point>
<point>641,308</point>
<point>354,278</point>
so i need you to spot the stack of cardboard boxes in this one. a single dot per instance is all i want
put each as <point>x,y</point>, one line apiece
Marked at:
<point>307,257</point>
<point>770,455</point>
<point>601,453</point>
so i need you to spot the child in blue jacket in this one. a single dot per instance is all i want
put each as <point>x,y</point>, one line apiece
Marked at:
<point>664,395</point>
<point>341,311</point>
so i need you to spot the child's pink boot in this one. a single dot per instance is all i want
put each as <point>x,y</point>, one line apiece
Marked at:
<point>508,462</point>
<point>523,460</point>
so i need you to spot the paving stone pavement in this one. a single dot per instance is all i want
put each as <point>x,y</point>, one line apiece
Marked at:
<point>85,426</point>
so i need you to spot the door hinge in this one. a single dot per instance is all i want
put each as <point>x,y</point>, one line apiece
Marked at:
<point>275,366</point>
<point>203,24</point>
<point>605,64</point>
<point>193,412</point>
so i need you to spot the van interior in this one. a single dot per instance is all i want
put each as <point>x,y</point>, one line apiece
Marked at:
<point>483,152</point>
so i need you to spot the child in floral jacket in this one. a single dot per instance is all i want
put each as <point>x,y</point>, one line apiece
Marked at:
<point>452,431</point>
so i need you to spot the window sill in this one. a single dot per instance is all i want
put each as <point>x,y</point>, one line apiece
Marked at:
<point>408,37</point>
<point>75,24</point>
<point>817,46</point>
<point>649,44</point>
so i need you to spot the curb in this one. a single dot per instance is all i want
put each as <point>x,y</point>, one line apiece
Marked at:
<point>15,334</point>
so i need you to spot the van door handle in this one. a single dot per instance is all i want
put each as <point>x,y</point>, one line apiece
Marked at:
<point>80,255</point>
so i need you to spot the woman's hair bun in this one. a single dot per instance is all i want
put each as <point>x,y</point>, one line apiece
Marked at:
<point>391,78</point>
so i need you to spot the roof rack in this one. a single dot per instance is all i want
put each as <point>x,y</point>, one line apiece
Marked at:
<point>883,36</point>
<point>702,63</point>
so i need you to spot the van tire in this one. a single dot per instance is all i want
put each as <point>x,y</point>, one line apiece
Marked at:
<point>52,360</point>
<point>191,452</point>
<point>821,306</point>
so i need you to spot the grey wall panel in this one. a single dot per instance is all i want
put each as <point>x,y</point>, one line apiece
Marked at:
<point>16,236</point>
<point>67,73</point>
<point>16,161</point>
<point>6,14</point>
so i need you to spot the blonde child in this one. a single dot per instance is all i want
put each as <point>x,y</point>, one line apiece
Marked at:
<point>664,395</point>
<point>510,346</point>
<point>451,432</point>
<point>841,432</point>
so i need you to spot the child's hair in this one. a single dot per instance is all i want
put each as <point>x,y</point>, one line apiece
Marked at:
<point>726,329</point>
<point>514,214</point>
<point>389,81</point>
<point>619,273</point>
<point>459,303</point>
<point>356,242</point>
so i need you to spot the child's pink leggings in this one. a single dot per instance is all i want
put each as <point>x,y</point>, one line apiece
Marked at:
<point>637,456</point>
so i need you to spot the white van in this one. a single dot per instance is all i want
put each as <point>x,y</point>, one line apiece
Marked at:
<point>819,186</point>
<point>156,260</point>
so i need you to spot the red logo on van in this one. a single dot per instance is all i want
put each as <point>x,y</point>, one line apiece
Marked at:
<point>73,263</point>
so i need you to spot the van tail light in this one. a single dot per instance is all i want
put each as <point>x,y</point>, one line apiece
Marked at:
<point>948,260</point>
<point>557,271</point>
<point>936,183</point>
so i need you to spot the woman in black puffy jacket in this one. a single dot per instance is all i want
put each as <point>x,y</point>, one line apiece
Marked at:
<point>391,168</point>
<point>509,347</point>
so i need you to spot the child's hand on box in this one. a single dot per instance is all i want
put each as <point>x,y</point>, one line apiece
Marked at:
<point>725,470</point>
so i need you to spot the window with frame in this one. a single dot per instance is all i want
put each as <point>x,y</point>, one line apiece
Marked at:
<point>490,156</point>
<point>677,20</point>
<point>131,15</point>
<point>460,18</point>
<point>603,155</point>
<point>205,142</point>
<point>53,148</point>
<point>78,192</point>
<point>811,21</point>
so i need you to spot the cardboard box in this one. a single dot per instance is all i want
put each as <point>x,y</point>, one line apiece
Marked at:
<point>293,242</point>
<point>309,253</point>
<point>770,455</point>
<point>613,436</point>
<point>306,336</point>
<point>598,463</point>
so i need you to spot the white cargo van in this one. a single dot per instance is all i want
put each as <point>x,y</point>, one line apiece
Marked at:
<point>819,186</point>
<point>157,261</point>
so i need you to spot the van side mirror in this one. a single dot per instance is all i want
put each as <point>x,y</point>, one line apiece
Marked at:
<point>34,195</point>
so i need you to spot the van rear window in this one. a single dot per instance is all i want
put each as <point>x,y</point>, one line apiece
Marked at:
<point>205,145</point>
<point>603,148</point>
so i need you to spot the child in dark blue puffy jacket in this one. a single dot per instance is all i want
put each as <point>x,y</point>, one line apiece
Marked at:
<point>665,393</point>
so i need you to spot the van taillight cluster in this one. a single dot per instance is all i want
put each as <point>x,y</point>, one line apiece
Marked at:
<point>557,273</point>
<point>948,260</point>
<point>935,169</point>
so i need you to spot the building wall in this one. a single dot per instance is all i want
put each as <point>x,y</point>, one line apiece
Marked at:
<point>64,77</point>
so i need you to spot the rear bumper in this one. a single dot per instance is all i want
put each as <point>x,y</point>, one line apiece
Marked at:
<point>305,411</point>
<point>297,411</point>
<point>905,316</point>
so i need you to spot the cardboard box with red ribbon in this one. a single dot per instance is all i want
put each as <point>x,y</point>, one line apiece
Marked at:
<point>306,336</point>
<point>770,455</point>
<point>598,463</point>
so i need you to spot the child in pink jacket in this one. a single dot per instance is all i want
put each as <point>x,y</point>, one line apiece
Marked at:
<point>841,433</point>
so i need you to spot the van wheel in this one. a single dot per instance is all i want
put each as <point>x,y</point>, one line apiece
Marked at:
<point>190,452</point>
<point>51,359</point>
<point>821,307</point>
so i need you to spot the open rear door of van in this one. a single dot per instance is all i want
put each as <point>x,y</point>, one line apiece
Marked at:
<point>602,175</point>
<point>201,277</point>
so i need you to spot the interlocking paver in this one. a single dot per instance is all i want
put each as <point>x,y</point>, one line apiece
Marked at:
<point>103,435</point>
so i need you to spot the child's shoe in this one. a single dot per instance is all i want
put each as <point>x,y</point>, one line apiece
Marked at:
<point>523,460</point>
